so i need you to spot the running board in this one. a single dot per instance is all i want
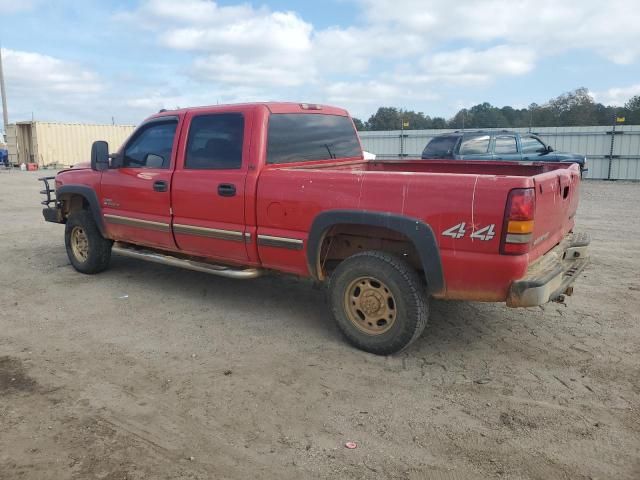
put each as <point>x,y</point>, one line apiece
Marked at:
<point>164,259</point>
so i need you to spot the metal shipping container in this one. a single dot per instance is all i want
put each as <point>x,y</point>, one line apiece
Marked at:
<point>60,144</point>
<point>610,154</point>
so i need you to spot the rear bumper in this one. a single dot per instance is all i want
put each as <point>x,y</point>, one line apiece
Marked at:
<point>552,275</point>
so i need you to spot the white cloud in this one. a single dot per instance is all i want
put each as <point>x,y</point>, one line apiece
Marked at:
<point>617,95</point>
<point>201,12</point>
<point>610,29</point>
<point>402,51</point>
<point>246,45</point>
<point>396,52</point>
<point>50,88</point>
<point>362,98</point>
<point>13,6</point>
<point>232,70</point>
<point>468,66</point>
<point>36,73</point>
<point>233,44</point>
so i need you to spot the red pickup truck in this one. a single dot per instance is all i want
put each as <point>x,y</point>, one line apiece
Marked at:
<point>240,190</point>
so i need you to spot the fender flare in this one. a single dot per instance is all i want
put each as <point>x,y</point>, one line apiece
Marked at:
<point>416,230</point>
<point>90,196</point>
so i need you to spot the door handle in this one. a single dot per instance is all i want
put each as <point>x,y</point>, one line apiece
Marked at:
<point>226,190</point>
<point>160,186</point>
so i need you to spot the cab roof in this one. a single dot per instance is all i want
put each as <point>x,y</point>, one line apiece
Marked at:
<point>273,107</point>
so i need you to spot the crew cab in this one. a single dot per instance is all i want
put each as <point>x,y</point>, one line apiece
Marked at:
<point>497,145</point>
<point>244,190</point>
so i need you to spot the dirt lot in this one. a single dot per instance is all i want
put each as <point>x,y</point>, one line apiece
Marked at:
<point>146,371</point>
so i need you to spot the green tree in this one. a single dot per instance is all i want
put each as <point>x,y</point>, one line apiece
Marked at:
<point>572,108</point>
<point>360,126</point>
<point>438,122</point>
<point>386,118</point>
<point>632,108</point>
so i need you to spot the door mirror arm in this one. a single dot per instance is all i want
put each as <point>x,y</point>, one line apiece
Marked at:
<point>116,160</point>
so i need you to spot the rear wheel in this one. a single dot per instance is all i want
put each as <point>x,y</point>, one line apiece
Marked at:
<point>378,302</point>
<point>87,249</point>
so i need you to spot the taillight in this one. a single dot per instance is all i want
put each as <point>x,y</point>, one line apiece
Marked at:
<point>517,231</point>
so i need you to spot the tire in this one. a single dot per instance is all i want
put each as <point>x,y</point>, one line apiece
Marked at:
<point>358,291</point>
<point>88,251</point>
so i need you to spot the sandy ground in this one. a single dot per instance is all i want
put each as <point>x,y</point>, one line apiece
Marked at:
<point>196,377</point>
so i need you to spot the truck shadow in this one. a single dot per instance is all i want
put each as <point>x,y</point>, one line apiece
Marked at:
<point>287,302</point>
<point>294,305</point>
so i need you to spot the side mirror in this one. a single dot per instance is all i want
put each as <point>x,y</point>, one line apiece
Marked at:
<point>549,149</point>
<point>100,156</point>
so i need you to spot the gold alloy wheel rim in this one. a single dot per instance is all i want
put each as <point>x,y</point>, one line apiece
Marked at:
<point>370,305</point>
<point>79,244</point>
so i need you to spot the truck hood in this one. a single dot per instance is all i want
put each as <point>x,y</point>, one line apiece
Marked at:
<point>570,157</point>
<point>81,165</point>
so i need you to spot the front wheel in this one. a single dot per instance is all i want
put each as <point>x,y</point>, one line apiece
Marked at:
<point>87,249</point>
<point>378,302</point>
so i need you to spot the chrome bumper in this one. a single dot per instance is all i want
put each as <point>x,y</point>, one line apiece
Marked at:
<point>552,275</point>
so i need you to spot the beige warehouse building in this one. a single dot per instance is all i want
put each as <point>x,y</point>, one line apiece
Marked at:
<point>60,144</point>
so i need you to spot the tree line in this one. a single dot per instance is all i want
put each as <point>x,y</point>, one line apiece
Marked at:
<point>576,108</point>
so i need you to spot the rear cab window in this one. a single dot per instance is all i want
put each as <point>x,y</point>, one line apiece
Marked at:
<point>441,147</point>
<point>307,137</point>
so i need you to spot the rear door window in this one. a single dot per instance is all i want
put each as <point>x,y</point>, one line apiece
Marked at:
<point>441,147</point>
<point>215,142</point>
<point>474,145</point>
<point>505,144</point>
<point>304,137</point>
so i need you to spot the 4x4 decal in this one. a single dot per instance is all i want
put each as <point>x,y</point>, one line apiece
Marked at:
<point>458,231</point>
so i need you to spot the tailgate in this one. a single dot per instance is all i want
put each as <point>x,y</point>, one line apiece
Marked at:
<point>557,194</point>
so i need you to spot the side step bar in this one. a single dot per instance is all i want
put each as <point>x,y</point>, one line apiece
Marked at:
<point>164,259</point>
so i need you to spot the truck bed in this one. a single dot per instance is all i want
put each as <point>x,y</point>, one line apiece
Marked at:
<point>443,194</point>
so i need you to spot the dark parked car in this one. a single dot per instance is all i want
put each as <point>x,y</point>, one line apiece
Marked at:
<point>500,145</point>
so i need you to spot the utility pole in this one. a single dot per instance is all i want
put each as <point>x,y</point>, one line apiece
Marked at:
<point>3,93</point>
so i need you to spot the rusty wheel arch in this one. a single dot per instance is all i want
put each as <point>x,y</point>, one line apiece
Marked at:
<point>402,229</point>
<point>89,202</point>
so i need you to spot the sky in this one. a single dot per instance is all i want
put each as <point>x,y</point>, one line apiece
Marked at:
<point>99,61</point>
